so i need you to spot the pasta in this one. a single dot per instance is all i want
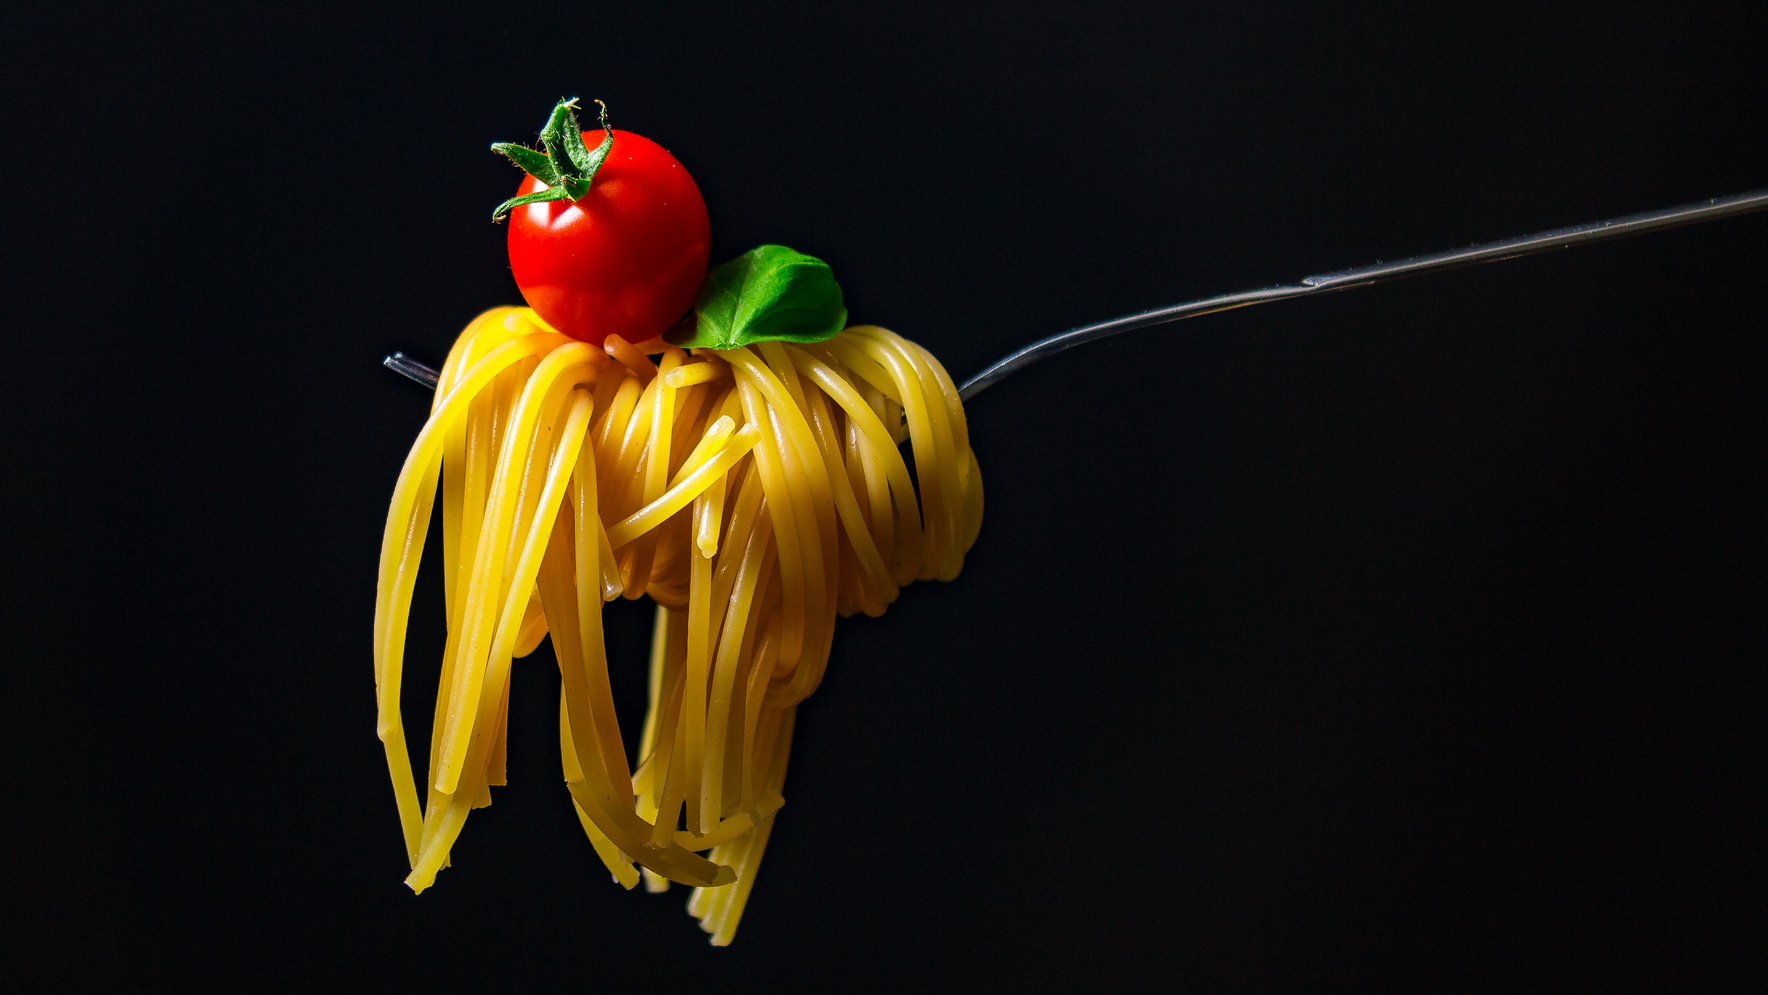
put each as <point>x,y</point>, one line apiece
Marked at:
<point>754,494</point>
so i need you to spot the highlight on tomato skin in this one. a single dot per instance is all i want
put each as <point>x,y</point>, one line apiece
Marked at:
<point>624,259</point>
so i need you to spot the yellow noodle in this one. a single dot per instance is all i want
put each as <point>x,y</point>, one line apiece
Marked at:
<point>628,484</point>
<point>693,703</point>
<point>685,490</point>
<point>401,550</point>
<point>879,440</point>
<point>622,869</point>
<point>475,742</point>
<point>690,421</point>
<point>654,475</point>
<point>489,569</point>
<point>755,494</point>
<point>772,476</point>
<point>807,485</point>
<point>696,373</point>
<point>928,450</point>
<point>708,446</point>
<point>858,534</point>
<point>648,736</point>
<point>604,794</point>
<point>633,359</point>
<point>734,633</point>
<point>767,654</point>
<point>709,507</point>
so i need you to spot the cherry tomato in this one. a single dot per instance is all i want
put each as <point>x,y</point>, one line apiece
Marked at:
<point>626,258</point>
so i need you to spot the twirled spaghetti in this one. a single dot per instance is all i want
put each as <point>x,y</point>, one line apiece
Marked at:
<point>754,494</point>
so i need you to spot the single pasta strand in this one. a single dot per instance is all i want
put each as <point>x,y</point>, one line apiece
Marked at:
<point>697,373</point>
<point>464,475</point>
<point>853,456</point>
<point>495,765</point>
<point>972,503</point>
<point>454,451</point>
<point>589,653</point>
<point>634,360</point>
<point>612,586</point>
<point>659,636</point>
<point>675,773</point>
<point>708,509</point>
<point>710,443</point>
<point>693,700</point>
<point>767,654</point>
<point>388,685</point>
<point>533,627</point>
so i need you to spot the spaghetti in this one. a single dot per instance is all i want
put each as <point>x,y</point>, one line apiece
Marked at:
<point>753,493</point>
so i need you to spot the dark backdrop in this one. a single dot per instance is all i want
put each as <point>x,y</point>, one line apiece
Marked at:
<point>1406,637</point>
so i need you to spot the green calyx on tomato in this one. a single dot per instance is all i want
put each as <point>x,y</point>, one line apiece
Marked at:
<point>567,175</point>
<point>768,294</point>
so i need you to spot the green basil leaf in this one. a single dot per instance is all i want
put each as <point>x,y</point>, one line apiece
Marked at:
<point>768,294</point>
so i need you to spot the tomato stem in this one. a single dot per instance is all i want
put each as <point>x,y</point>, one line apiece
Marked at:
<point>566,167</point>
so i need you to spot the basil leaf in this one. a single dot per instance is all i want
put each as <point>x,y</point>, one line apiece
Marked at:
<point>768,294</point>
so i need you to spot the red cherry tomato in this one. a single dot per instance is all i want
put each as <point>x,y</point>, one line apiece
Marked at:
<point>627,258</point>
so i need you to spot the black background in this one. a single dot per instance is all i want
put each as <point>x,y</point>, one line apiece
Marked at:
<point>1411,637</point>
